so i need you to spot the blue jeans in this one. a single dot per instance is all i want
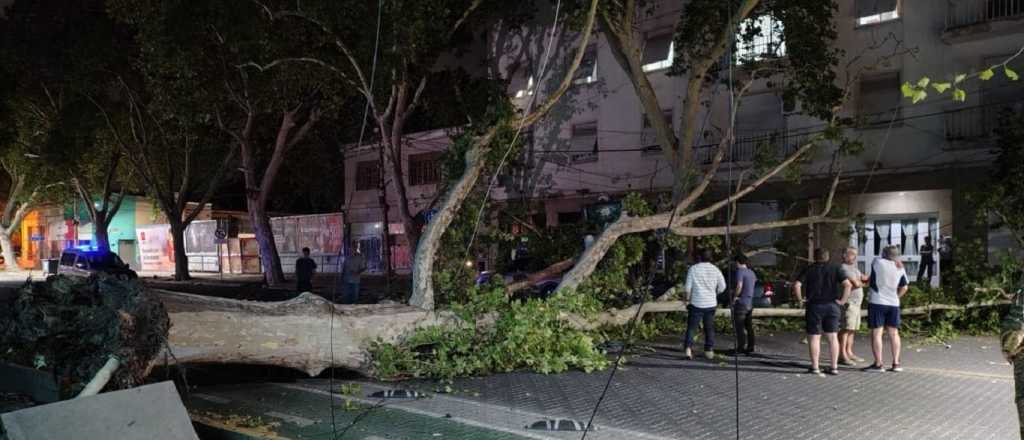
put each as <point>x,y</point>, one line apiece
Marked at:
<point>693,320</point>
<point>350,295</point>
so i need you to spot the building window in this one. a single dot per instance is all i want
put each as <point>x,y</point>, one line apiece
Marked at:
<point>658,52</point>
<point>760,38</point>
<point>871,12</point>
<point>584,142</point>
<point>587,72</point>
<point>566,218</point>
<point>649,136</point>
<point>424,168</point>
<point>528,90</point>
<point>367,175</point>
<point>879,99</point>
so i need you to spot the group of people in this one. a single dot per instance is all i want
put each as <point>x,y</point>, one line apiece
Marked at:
<point>352,269</point>
<point>831,294</point>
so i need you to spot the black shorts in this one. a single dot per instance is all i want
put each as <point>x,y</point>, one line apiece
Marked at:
<point>823,317</point>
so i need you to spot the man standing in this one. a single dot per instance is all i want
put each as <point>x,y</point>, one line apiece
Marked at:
<point>888,285</point>
<point>850,322</point>
<point>821,280</point>
<point>743,305</point>
<point>927,261</point>
<point>703,284</point>
<point>354,267</point>
<point>304,268</point>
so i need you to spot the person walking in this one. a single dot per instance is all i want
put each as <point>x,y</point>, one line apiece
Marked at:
<point>820,281</point>
<point>850,322</point>
<point>927,262</point>
<point>744,280</point>
<point>888,284</point>
<point>304,268</point>
<point>703,284</point>
<point>353,269</point>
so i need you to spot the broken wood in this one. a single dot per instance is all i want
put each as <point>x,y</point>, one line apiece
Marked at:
<point>620,317</point>
<point>101,378</point>
<point>300,333</point>
<point>534,278</point>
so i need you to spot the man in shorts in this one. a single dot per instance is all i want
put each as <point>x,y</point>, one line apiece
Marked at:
<point>850,322</point>
<point>888,285</point>
<point>821,281</point>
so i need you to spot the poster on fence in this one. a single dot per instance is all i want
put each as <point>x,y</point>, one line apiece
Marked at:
<point>321,233</point>
<point>156,249</point>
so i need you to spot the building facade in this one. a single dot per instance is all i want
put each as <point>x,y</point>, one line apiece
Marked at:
<point>909,183</point>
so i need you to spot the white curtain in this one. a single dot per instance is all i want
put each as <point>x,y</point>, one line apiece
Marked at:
<point>882,228</point>
<point>910,232</point>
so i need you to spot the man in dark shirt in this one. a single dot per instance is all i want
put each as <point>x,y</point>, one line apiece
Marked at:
<point>744,280</point>
<point>304,268</point>
<point>820,281</point>
<point>927,261</point>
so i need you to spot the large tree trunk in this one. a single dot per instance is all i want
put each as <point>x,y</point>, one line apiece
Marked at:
<point>299,333</point>
<point>180,259</point>
<point>101,232</point>
<point>430,241</point>
<point>269,258</point>
<point>7,249</point>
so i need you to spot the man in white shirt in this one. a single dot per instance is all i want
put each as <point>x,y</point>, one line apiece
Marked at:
<point>888,284</point>
<point>703,284</point>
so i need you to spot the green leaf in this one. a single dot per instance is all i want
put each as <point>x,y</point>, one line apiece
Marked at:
<point>919,96</point>
<point>960,78</point>
<point>986,74</point>
<point>1010,73</point>
<point>959,95</point>
<point>941,87</point>
<point>907,89</point>
<point>923,82</point>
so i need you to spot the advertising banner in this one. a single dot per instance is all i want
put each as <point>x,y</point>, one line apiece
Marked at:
<point>156,248</point>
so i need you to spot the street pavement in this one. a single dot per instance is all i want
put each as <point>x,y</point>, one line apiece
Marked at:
<point>960,391</point>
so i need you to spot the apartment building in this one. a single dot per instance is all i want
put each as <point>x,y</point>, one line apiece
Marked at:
<point>909,183</point>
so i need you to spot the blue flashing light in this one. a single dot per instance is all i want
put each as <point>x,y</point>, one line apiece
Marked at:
<point>86,248</point>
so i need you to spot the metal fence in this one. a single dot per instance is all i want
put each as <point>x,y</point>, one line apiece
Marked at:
<point>962,13</point>
<point>767,145</point>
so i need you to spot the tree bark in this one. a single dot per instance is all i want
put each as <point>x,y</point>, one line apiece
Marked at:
<point>101,231</point>
<point>299,333</point>
<point>269,258</point>
<point>8,249</point>
<point>180,259</point>
<point>620,317</point>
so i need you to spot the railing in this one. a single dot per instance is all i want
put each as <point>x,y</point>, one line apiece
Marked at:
<point>767,145</point>
<point>962,13</point>
<point>971,123</point>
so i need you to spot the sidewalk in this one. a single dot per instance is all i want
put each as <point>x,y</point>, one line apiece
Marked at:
<point>961,392</point>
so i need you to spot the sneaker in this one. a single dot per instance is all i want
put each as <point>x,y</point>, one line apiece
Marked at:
<point>896,368</point>
<point>847,362</point>
<point>873,369</point>
<point>815,372</point>
<point>832,371</point>
<point>856,358</point>
<point>709,354</point>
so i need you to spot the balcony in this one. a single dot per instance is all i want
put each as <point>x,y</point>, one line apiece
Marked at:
<point>748,148</point>
<point>972,20</point>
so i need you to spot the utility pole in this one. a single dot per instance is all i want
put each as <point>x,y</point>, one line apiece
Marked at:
<point>385,228</point>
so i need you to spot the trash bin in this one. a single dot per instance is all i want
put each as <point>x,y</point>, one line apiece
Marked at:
<point>50,266</point>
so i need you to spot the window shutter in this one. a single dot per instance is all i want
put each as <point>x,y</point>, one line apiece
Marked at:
<point>867,8</point>
<point>879,94</point>
<point>656,48</point>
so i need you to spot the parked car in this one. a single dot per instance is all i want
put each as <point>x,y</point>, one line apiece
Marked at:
<point>83,263</point>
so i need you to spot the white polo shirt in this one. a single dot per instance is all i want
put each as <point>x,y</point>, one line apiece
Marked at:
<point>886,281</point>
<point>704,282</point>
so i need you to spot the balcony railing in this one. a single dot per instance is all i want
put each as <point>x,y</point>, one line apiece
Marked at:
<point>748,148</point>
<point>970,123</point>
<point>961,13</point>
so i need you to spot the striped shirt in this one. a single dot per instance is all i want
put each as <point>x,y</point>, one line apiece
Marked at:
<point>704,282</point>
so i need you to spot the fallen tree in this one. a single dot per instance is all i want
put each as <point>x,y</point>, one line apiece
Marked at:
<point>620,317</point>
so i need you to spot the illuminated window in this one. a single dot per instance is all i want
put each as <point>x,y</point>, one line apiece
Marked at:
<point>587,72</point>
<point>760,38</point>
<point>526,91</point>
<point>658,52</point>
<point>876,11</point>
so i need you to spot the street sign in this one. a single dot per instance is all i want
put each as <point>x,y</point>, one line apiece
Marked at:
<point>36,238</point>
<point>220,234</point>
